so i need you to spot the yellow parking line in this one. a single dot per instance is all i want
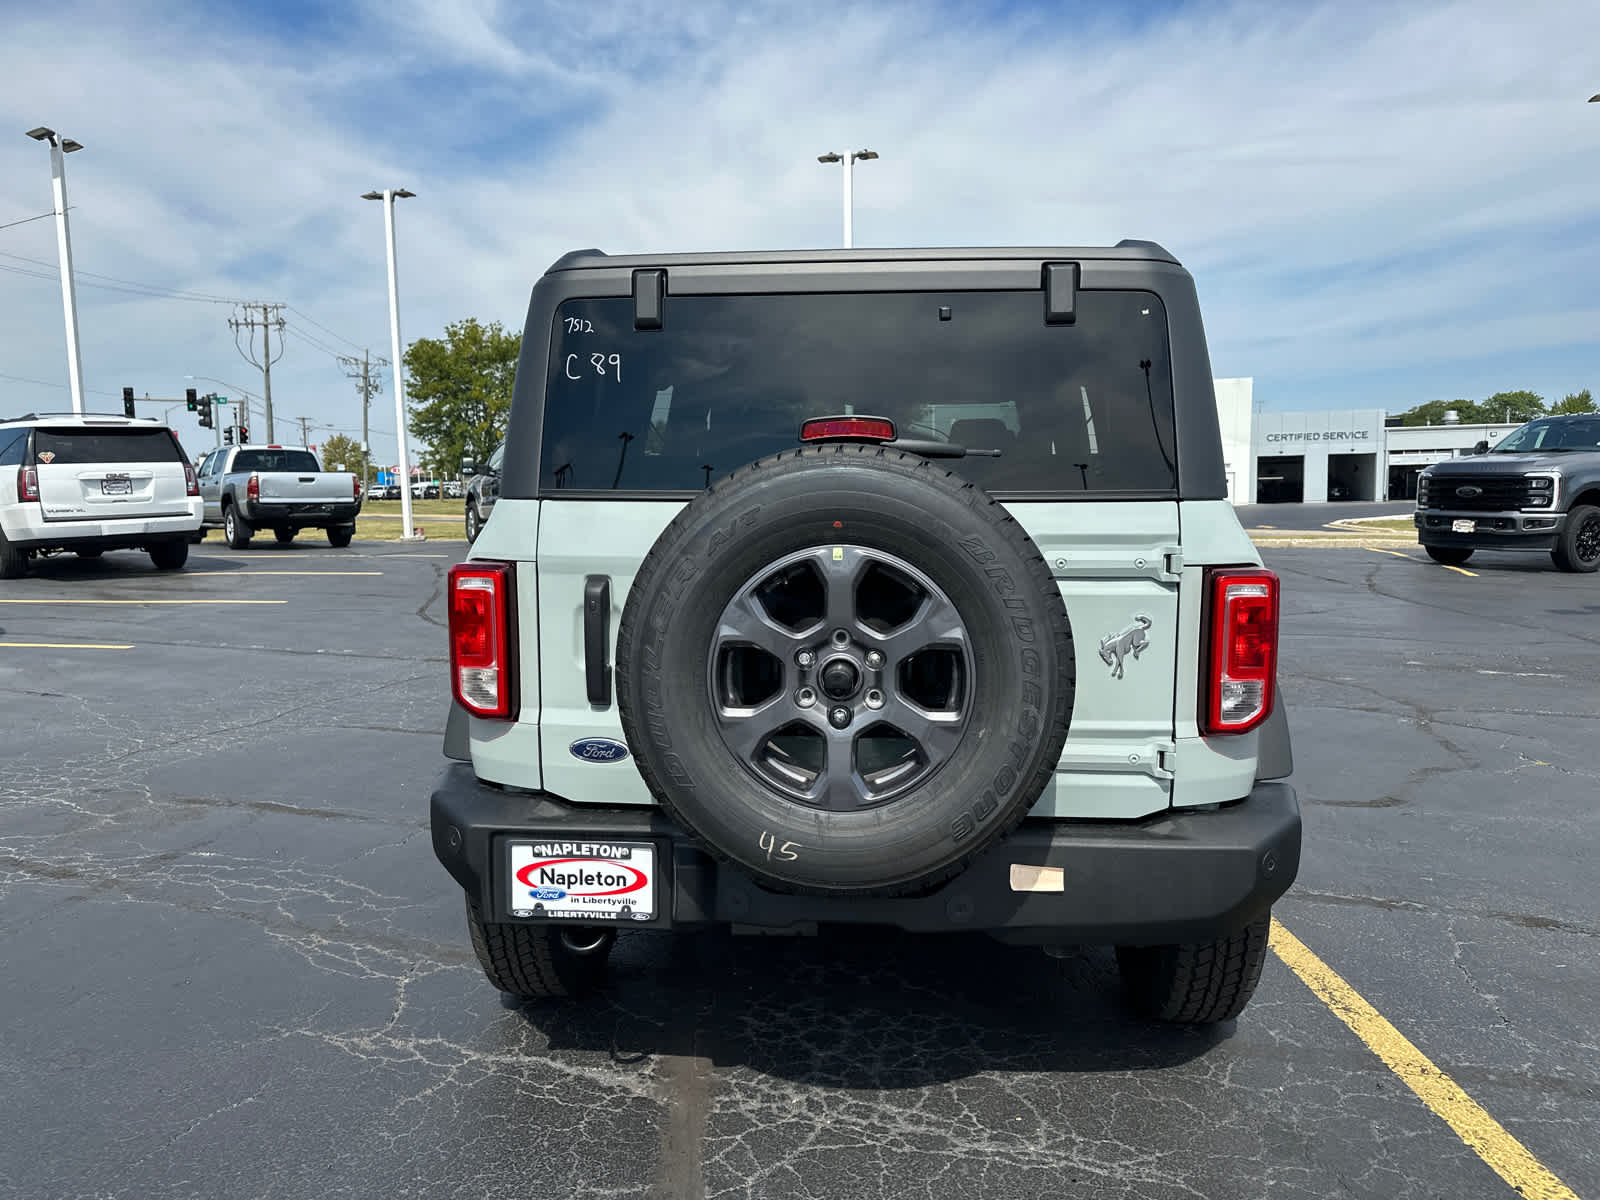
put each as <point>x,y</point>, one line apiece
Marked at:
<point>1446,566</point>
<point>64,646</point>
<point>51,600</point>
<point>253,571</point>
<point>1526,1175</point>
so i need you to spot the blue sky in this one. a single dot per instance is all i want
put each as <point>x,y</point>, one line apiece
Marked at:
<point>1381,204</point>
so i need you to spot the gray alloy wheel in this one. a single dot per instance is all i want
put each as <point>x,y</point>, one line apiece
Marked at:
<point>474,523</point>
<point>235,528</point>
<point>841,676</point>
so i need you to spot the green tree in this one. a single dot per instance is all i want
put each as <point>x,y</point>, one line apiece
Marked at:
<point>460,390</point>
<point>1432,413</point>
<point>1512,406</point>
<point>1575,402</point>
<point>340,449</point>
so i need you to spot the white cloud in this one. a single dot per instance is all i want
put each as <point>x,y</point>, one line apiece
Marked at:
<point>1355,191</point>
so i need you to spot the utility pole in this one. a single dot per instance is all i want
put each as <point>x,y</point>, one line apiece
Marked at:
<point>305,438</point>
<point>360,369</point>
<point>271,318</point>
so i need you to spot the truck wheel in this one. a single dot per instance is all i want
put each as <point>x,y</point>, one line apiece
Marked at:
<point>540,962</point>
<point>845,669</point>
<point>170,555</point>
<point>1578,544</point>
<point>1450,556</point>
<point>339,536</point>
<point>235,528</point>
<point>474,523</point>
<point>13,562</point>
<point>284,536</point>
<point>1198,983</point>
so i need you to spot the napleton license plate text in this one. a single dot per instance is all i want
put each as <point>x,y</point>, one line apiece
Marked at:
<point>582,880</point>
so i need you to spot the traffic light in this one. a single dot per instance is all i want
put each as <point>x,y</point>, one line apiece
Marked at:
<point>244,435</point>
<point>227,436</point>
<point>189,399</point>
<point>205,412</point>
<point>127,403</point>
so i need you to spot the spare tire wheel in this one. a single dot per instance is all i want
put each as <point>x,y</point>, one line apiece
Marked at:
<point>846,669</point>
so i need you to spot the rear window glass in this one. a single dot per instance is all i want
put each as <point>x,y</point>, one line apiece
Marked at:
<point>1085,407</point>
<point>275,460</point>
<point>77,447</point>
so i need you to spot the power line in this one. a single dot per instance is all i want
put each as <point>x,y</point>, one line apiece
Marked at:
<point>271,317</point>
<point>47,383</point>
<point>90,278</point>
<point>324,328</point>
<point>25,220</point>
<point>311,341</point>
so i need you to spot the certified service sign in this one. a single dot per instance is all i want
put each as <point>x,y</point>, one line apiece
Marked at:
<point>591,881</point>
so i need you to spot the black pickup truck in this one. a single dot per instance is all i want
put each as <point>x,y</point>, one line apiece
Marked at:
<point>1537,489</point>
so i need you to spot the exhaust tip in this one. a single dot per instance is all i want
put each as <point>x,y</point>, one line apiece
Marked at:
<point>587,941</point>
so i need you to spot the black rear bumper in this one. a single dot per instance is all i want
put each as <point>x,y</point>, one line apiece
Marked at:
<point>1176,877</point>
<point>267,516</point>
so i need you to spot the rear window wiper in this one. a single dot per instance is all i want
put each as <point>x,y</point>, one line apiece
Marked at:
<point>932,449</point>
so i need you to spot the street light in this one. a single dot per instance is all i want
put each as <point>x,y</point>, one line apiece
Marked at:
<point>59,148</point>
<point>848,160</point>
<point>389,196</point>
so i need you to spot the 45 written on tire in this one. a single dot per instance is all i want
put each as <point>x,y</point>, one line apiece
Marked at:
<point>847,670</point>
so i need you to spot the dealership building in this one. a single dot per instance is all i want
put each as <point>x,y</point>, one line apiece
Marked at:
<point>1308,457</point>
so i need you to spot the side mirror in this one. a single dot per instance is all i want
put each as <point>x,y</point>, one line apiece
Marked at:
<point>468,467</point>
<point>1481,448</point>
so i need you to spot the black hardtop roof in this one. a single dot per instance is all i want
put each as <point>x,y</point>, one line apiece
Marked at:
<point>1129,250</point>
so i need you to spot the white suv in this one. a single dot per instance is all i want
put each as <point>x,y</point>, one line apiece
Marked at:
<point>90,483</point>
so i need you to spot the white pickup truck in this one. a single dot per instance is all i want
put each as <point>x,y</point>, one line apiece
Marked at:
<point>281,488</point>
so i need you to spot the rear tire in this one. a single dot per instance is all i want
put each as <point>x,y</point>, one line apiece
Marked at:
<point>13,562</point>
<point>170,556</point>
<point>1197,983</point>
<point>1578,544</point>
<point>1450,556</point>
<point>531,962</point>
<point>235,528</point>
<point>339,536</point>
<point>284,536</point>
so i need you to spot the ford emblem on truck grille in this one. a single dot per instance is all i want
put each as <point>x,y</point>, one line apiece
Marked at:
<point>1468,492</point>
<point>598,749</point>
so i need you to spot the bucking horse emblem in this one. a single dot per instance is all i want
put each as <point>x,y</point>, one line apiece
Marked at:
<point>1115,647</point>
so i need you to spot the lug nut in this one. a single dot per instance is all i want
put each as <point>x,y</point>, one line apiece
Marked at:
<point>874,658</point>
<point>839,717</point>
<point>805,658</point>
<point>806,698</point>
<point>874,699</point>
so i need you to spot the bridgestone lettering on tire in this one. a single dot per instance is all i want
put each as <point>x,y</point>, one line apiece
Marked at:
<point>846,669</point>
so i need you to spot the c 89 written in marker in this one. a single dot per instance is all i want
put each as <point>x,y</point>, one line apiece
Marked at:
<point>607,366</point>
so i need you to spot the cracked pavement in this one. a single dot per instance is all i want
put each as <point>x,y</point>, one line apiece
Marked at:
<point>233,966</point>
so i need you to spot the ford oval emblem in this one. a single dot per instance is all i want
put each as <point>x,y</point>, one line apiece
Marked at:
<point>1469,492</point>
<point>598,749</point>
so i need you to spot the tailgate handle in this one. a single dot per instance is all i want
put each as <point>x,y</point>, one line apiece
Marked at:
<point>597,638</point>
<point>308,479</point>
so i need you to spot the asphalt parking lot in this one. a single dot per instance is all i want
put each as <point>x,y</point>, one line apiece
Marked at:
<point>234,968</point>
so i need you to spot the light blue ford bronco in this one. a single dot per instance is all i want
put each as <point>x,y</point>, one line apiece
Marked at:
<point>889,587</point>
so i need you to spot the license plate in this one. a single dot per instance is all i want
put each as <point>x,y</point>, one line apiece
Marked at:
<point>116,487</point>
<point>1463,526</point>
<point>582,880</point>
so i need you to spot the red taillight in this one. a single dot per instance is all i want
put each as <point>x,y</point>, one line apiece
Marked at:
<point>482,659</point>
<point>191,485</point>
<point>1242,603</point>
<point>868,429</point>
<point>355,487</point>
<point>27,483</point>
<point>252,488</point>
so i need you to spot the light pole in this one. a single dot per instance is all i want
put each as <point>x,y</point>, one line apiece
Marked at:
<point>388,196</point>
<point>848,160</point>
<point>60,147</point>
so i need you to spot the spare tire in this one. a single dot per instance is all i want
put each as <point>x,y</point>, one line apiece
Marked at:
<point>845,669</point>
